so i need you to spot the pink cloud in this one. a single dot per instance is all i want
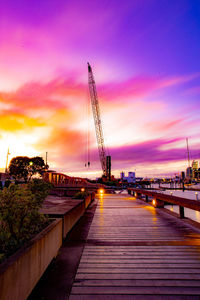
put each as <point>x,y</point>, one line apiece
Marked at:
<point>141,86</point>
<point>165,126</point>
<point>35,95</point>
<point>150,152</point>
<point>64,141</point>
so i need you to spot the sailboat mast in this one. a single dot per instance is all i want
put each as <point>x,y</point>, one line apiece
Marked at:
<point>188,152</point>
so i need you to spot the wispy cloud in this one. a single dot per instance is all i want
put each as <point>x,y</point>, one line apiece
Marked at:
<point>140,86</point>
<point>150,152</point>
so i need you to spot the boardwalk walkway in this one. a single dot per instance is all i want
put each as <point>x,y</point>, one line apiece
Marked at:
<point>134,251</point>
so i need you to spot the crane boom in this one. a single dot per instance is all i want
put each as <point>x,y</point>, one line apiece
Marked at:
<point>97,121</point>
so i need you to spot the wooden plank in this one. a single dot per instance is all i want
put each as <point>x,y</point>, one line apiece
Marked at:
<point>141,248</point>
<point>116,290</point>
<point>130,297</point>
<point>140,265</point>
<point>137,283</point>
<point>128,255</point>
<point>125,276</point>
<point>129,259</point>
<point>139,270</point>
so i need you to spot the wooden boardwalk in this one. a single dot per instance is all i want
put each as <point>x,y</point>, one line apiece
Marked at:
<point>135,251</point>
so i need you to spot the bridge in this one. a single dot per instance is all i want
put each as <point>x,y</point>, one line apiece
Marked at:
<point>125,248</point>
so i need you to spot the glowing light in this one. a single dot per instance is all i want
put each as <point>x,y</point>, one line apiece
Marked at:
<point>101,191</point>
<point>154,202</point>
<point>18,144</point>
<point>82,190</point>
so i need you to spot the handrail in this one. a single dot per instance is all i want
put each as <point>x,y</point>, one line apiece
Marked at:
<point>192,204</point>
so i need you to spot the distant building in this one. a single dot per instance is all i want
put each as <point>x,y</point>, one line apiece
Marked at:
<point>130,178</point>
<point>182,176</point>
<point>189,173</point>
<point>122,175</point>
<point>195,166</point>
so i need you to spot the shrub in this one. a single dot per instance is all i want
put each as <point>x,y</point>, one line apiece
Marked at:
<point>40,189</point>
<point>19,214</point>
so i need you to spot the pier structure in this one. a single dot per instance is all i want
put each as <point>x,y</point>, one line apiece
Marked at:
<point>130,250</point>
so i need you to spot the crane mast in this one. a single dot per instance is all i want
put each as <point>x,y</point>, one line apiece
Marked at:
<point>105,160</point>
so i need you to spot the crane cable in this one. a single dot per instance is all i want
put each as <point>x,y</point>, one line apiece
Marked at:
<point>87,158</point>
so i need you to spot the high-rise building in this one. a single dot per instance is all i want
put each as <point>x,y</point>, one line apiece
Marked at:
<point>195,165</point>
<point>189,173</point>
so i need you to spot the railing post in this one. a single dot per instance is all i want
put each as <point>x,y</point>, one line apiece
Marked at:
<point>146,198</point>
<point>129,192</point>
<point>181,212</point>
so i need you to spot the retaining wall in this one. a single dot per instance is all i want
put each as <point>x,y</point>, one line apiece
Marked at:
<point>20,273</point>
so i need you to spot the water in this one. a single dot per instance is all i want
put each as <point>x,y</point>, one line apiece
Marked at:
<point>192,195</point>
<point>189,213</point>
<point>177,185</point>
<point>184,194</point>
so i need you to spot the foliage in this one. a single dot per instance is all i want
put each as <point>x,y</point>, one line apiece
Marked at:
<point>23,167</point>
<point>40,189</point>
<point>81,195</point>
<point>19,214</point>
<point>18,167</point>
<point>36,165</point>
<point>7,183</point>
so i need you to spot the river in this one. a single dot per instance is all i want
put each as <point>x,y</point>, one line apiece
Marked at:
<point>189,213</point>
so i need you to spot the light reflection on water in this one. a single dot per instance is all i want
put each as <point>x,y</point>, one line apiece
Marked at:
<point>189,213</point>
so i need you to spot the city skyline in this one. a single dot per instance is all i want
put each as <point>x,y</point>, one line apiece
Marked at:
<point>145,59</point>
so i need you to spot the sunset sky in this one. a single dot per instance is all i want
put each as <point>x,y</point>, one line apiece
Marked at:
<point>145,56</point>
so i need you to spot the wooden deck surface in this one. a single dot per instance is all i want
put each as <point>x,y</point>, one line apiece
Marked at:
<point>135,251</point>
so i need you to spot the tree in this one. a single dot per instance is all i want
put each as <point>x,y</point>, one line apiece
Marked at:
<point>23,167</point>
<point>18,167</point>
<point>36,166</point>
<point>19,213</point>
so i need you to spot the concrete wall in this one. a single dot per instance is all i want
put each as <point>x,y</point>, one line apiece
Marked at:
<point>20,273</point>
<point>72,216</point>
<point>89,199</point>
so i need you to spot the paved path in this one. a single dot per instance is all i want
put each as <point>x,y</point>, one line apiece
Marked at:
<point>134,251</point>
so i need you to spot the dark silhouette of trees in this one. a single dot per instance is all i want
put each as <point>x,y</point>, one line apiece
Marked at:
<point>23,167</point>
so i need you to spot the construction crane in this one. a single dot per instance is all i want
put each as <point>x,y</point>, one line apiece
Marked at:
<point>104,159</point>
